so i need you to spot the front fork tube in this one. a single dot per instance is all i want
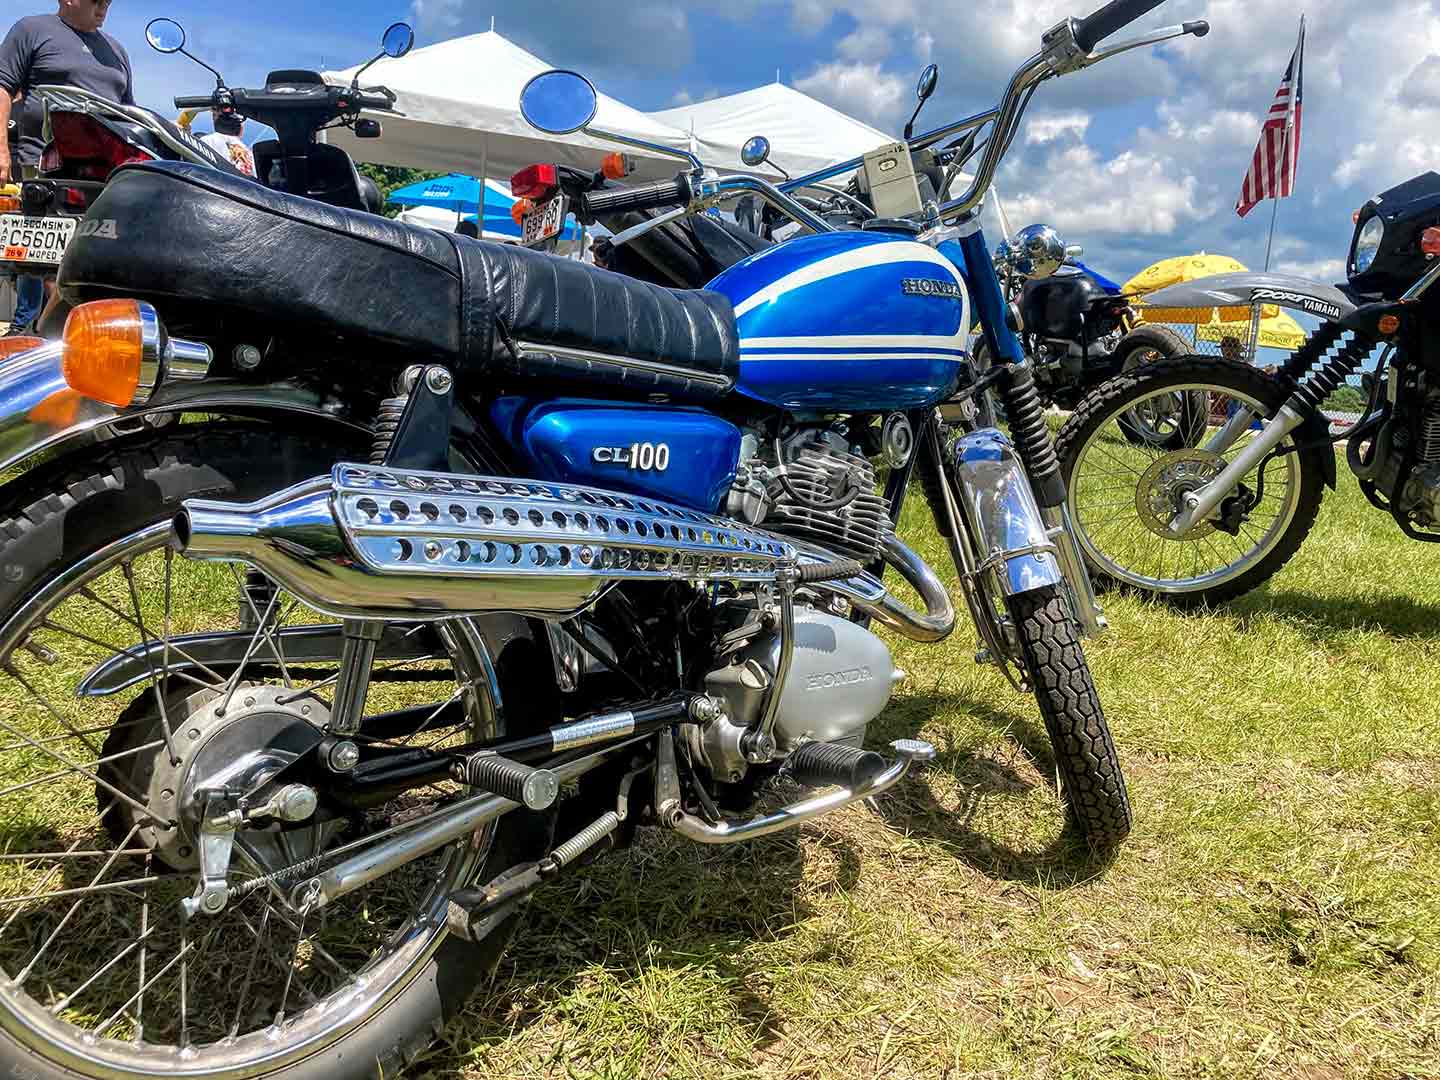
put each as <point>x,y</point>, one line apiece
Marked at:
<point>1088,611</point>
<point>1199,505</point>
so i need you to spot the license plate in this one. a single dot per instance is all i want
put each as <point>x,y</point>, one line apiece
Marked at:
<point>545,221</point>
<point>35,240</point>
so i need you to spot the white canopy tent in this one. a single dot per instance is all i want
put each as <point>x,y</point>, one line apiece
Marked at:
<point>805,134</point>
<point>460,101</point>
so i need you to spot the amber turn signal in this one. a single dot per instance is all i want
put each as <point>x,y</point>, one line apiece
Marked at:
<point>617,166</point>
<point>1388,324</point>
<point>9,204</point>
<point>112,351</point>
<point>11,346</point>
<point>519,209</point>
<point>1430,241</point>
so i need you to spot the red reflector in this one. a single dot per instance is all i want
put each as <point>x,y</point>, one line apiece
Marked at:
<point>1388,324</point>
<point>74,198</point>
<point>50,158</point>
<point>1430,241</point>
<point>536,182</point>
<point>79,138</point>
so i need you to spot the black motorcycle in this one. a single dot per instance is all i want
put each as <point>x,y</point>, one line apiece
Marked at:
<point>88,137</point>
<point>1223,507</point>
<point>1077,327</point>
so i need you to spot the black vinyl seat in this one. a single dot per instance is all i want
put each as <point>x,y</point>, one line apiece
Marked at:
<point>177,231</point>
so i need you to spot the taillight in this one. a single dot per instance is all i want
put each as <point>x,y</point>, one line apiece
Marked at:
<point>73,198</point>
<point>1430,241</point>
<point>89,148</point>
<point>50,160</point>
<point>536,182</point>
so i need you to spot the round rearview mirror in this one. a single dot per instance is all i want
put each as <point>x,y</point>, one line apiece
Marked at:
<point>399,39</point>
<point>1038,251</point>
<point>929,79</point>
<point>756,151</point>
<point>558,102</point>
<point>165,35</point>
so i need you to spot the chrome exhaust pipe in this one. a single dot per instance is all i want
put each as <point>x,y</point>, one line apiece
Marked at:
<point>385,543</point>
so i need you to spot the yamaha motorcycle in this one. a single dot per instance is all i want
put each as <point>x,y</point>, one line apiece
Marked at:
<point>293,689</point>
<point>88,137</point>
<point>1229,501</point>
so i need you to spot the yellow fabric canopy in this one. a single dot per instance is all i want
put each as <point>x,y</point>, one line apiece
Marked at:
<point>1277,329</point>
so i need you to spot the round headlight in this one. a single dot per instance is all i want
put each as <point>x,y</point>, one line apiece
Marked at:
<point>1367,245</point>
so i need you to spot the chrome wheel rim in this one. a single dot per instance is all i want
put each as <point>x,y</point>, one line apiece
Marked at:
<point>1120,540</point>
<point>86,887</point>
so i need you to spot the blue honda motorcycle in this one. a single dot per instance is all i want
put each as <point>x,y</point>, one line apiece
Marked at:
<point>361,579</point>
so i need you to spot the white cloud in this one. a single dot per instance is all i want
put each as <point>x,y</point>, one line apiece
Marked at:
<point>1132,193</point>
<point>1326,270</point>
<point>1050,127</point>
<point>866,43</point>
<point>436,18</point>
<point>862,90</point>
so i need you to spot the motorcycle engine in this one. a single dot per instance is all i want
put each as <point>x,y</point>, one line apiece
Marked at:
<point>814,486</point>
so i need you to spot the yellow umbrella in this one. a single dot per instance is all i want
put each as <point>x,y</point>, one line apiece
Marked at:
<point>1277,330</point>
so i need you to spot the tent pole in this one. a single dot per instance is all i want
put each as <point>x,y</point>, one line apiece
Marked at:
<point>484,172</point>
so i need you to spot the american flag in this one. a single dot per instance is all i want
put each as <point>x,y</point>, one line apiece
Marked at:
<point>1272,171</point>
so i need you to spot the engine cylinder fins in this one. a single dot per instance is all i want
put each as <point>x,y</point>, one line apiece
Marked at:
<point>820,764</point>
<point>829,496</point>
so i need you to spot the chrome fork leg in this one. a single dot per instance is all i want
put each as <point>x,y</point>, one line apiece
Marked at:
<point>1201,504</point>
<point>1088,612</point>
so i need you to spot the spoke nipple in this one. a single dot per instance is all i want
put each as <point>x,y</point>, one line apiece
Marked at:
<point>249,702</point>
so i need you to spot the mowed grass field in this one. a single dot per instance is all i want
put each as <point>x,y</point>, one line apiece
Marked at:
<point>1276,913</point>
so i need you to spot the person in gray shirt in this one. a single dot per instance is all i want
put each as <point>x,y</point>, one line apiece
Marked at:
<point>64,49</point>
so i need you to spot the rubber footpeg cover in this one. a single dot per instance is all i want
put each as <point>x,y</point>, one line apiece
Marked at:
<point>820,764</point>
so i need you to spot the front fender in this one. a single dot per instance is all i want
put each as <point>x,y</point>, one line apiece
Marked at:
<point>1000,504</point>
<point>39,411</point>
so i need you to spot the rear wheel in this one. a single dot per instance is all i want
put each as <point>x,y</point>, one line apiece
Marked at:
<point>1164,422</point>
<point>1090,776</point>
<point>102,975</point>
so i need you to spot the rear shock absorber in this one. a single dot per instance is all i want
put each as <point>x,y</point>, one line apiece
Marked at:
<point>1031,434</point>
<point>1315,346</point>
<point>387,418</point>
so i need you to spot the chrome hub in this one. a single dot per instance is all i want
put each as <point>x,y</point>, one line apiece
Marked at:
<point>238,748</point>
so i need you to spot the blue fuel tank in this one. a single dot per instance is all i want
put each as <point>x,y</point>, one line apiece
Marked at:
<point>684,456</point>
<point>849,322</point>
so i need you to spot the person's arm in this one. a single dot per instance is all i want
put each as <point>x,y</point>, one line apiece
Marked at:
<point>16,52</point>
<point>129,96</point>
<point>5,166</point>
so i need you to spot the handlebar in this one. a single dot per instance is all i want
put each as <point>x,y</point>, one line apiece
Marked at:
<point>1099,25</point>
<point>654,196</point>
<point>205,102</point>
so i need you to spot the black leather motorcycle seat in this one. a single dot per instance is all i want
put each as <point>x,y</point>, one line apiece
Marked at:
<point>173,231</point>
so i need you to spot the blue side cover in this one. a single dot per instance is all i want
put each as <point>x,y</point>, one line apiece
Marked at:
<point>558,440</point>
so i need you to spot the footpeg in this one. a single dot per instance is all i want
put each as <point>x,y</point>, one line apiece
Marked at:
<point>533,788</point>
<point>820,764</point>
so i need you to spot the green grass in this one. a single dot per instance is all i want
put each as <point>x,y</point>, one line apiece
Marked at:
<point>1274,915</point>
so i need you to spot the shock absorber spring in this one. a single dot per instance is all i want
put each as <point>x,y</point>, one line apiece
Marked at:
<point>1333,371</point>
<point>1315,345</point>
<point>387,422</point>
<point>1032,435</point>
<point>1430,432</point>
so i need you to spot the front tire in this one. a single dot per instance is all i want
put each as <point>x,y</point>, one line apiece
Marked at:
<point>1090,775</point>
<point>1122,495</point>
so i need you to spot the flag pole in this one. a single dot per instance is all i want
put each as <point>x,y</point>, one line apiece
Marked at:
<point>1289,134</point>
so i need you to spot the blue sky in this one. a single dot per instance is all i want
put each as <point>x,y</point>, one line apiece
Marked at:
<point>1137,159</point>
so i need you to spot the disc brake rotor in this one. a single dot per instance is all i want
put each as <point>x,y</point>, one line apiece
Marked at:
<point>1167,481</point>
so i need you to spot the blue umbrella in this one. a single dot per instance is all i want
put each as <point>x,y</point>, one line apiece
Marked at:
<point>462,194</point>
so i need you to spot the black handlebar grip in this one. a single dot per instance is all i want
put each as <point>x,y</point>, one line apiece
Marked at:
<point>206,102</point>
<point>1199,27</point>
<point>1096,27</point>
<point>640,197</point>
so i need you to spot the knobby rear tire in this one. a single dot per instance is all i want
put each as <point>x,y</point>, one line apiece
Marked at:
<point>1090,776</point>
<point>68,509</point>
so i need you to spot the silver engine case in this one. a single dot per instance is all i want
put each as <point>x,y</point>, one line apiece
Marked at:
<point>841,677</point>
